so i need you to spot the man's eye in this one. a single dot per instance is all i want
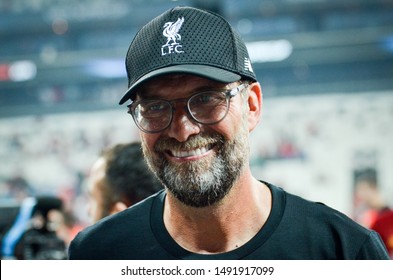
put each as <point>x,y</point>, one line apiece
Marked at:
<point>153,108</point>
<point>156,107</point>
<point>202,99</point>
<point>208,99</point>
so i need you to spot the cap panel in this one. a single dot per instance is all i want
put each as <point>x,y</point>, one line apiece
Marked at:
<point>205,40</point>
<point>144,51</point>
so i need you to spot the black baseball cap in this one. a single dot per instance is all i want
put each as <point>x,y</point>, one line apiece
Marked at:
<point>187,40</point>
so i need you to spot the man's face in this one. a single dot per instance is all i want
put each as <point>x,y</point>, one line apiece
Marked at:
<point>197,163</point>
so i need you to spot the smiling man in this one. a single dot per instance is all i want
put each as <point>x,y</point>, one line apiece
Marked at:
<point>195,98</point>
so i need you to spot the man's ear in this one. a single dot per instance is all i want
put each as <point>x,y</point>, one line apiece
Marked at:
<point>254,105</point>
<point>118,207</point>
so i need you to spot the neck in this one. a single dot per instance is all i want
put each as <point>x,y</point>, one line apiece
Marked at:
<point>222,227</point>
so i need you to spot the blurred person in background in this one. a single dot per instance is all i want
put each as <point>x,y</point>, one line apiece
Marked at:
<point>372,209</point>
<point>383,224</point>
<point>118,179</point>
<point>368,198</point>
<point>17,188</point>
<point>13,191</point>
<point>33,235</point>
<point>195,98</point>
<point>65,224</point>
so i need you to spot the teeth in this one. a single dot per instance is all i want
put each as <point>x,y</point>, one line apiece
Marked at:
<point>196,152</point>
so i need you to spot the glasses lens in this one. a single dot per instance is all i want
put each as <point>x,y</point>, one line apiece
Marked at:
<point>152,116</point>
<point>208,107</point>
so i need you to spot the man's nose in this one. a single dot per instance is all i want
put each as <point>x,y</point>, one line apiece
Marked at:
<point>182,126</point>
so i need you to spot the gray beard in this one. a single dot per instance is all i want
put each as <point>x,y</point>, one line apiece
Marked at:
<point>207,181</point>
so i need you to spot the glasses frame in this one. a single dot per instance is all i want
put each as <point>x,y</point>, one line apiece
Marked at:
<point>228,95</point>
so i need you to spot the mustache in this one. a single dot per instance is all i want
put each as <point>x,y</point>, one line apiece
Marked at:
<point>193,142</point>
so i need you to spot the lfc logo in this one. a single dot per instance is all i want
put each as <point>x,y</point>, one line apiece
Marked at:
<point>171,32</point>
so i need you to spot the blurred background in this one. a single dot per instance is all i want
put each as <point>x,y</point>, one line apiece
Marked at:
<point>325,66</point>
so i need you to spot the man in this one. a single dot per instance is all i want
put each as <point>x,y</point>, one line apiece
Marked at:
<point>195,99</point>
<point>119,178</point>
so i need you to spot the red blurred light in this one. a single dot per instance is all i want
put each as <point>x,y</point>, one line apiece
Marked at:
<point>4,76</point>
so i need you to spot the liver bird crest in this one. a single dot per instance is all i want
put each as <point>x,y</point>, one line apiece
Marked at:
<point>171,30</point>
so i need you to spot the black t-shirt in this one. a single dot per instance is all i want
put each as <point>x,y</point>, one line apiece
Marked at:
<point>295,229</point>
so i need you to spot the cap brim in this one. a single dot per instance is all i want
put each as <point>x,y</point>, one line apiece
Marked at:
<point>206,71</point>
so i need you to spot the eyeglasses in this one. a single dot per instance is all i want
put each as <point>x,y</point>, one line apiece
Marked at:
<point>206,107</point>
